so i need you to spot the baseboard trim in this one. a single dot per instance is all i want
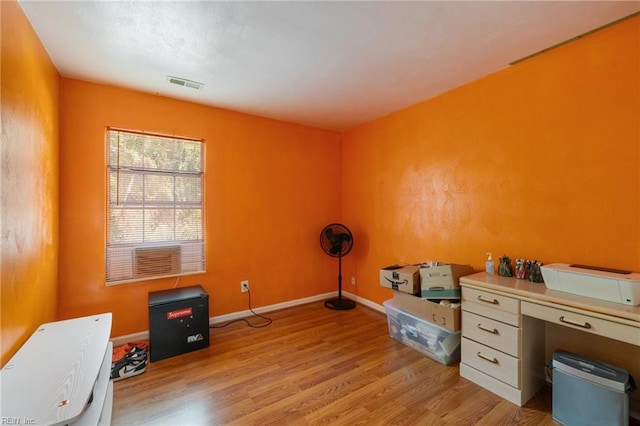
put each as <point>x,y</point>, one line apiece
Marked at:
<point>133,337</point>
<point>144,335</point>
<point>365,302</point>
<point>291,303</point>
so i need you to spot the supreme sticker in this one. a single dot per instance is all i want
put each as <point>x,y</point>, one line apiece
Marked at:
<point>179,313</point>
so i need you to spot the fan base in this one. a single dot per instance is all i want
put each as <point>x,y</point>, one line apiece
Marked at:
<point>340,304</point>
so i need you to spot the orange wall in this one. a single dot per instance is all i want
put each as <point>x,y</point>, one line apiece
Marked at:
<point>270,187</point>
<point>540,160</point>
<point>29,176</point>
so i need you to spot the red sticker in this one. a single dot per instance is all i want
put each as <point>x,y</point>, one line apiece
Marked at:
<point>179,313</point>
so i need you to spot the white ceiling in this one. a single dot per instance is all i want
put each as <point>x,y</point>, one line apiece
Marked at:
<point>332,65</point>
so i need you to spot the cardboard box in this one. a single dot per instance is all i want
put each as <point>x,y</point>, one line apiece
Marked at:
<point>444,316</point>
<point>401,278</point>
<point>443,281</point>
<point>425,337</point>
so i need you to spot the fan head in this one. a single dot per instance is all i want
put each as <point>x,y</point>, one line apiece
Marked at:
<point>336,240</point>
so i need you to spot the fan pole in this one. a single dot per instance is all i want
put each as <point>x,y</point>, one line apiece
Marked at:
<point>340,276</point>
<point>340,304</point>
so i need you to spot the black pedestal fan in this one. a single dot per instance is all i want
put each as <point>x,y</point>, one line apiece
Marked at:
<point>336,240</point>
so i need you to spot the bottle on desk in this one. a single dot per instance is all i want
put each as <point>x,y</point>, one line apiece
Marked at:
<point>489,266</point>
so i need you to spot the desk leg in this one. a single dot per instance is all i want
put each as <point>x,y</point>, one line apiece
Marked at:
<point>533,356</point>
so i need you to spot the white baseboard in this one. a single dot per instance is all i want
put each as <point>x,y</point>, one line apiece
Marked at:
<point>365,302</point>
<point>243,314</point>
<point>133,337</point>
<point>144,335</point>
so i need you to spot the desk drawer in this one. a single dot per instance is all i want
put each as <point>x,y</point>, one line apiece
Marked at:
<point>587,323</point>
<point>492,305</point>
<point>492,362</point>
<point>504,337</point>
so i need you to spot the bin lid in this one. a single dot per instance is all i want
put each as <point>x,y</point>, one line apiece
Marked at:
<point>176,294</point>
<point>592,369</point>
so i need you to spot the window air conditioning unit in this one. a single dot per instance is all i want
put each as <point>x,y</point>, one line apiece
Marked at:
<point>156,261</point>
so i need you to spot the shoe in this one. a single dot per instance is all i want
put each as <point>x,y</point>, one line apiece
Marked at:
<point>128,367</point>
<point>134,354</point>
<point>133,349</point>
<point>129,360</point>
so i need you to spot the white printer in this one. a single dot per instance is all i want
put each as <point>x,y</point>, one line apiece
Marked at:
<point>599,283</point>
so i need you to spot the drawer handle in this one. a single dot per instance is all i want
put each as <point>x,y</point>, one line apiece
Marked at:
<point>488,330</point>
<point>486,358</point>
<point>485,300</point>
<point>577,324</point>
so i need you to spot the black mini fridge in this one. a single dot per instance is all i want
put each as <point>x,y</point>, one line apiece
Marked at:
<point>178,321</point>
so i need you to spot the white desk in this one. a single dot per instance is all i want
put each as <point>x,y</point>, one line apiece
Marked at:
<point>511,328</point>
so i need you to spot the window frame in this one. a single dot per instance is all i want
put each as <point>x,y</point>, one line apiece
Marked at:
<point>195,249</point>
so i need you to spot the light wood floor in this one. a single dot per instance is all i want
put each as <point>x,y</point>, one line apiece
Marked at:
<point>312,366</point>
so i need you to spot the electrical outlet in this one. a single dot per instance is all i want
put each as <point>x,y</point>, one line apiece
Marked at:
<point>244,286</point>
<point>353,280</point>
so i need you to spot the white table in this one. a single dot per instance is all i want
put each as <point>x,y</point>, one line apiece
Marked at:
<point>60,375</point>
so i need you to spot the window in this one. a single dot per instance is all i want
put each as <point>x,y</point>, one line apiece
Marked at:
<point>154,206</point>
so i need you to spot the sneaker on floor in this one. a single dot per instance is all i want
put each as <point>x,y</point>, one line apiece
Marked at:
<point>133,349</point>
<point>128,367</point>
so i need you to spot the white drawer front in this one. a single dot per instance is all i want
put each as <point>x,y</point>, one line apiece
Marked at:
<point>492,305</point>
<point>504,337</point>
<point>601,327</point>
<point>492,362</point>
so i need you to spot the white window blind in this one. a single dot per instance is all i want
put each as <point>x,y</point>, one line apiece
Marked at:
<point>154,206</point>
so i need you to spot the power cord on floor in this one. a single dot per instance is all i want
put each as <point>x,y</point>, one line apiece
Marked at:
<point>549,371</point>
<point>266,324</point>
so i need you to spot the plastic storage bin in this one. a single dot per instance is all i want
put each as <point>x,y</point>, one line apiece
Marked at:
<point>425,337</point>
<point>589,392</point>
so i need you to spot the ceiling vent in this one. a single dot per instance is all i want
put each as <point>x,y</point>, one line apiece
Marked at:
<point>184,82</point>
